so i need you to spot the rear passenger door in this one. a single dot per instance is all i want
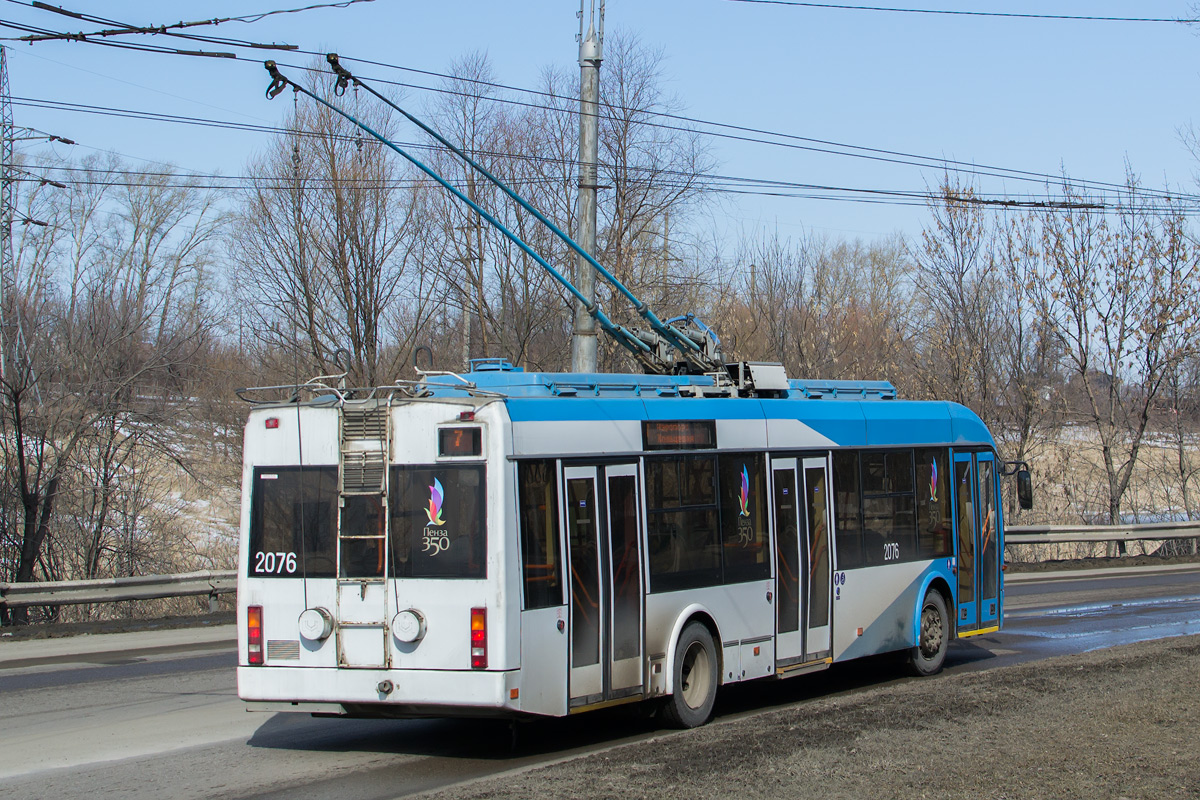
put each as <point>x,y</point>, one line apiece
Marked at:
<point>544,639</point>
<point>582,510</point>
<point>602,511</point>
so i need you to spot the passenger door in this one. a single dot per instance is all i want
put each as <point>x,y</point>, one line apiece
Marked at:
<point>624,557</point>
<point>789,570</point>
<point>976,519</point>
<point>989,536</point>
<point>602,510</point>
<point>545,650</point>
<point>585,603</point>
<point>966,541</point>
<point>804,569</point>
<point>818,558</point>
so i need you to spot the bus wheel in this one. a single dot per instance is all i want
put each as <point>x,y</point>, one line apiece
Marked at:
<point>933,638</point>
<point>695,678</point>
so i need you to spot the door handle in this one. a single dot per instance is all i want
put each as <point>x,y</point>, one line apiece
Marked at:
<point>562,626</point>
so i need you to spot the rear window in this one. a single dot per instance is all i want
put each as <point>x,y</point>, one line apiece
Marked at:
<point>293,522</point>
<point>438,521</point>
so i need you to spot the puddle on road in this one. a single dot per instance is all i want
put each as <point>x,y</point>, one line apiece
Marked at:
<point>1100,609</point>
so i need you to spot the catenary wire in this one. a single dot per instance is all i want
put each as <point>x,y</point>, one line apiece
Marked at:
<point>907,160</point>
<point>963,13</point>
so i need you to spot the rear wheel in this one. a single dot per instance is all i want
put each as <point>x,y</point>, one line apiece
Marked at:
<point>695,678</point>
<point>933,636</point>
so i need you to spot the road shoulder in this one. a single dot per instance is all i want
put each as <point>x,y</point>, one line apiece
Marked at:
<point>1116,723</point>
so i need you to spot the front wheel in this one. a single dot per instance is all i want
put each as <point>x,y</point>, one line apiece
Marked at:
<point>933,636</point>
<point>695,678</point>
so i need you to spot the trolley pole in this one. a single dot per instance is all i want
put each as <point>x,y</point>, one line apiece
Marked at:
<point>584,342</point>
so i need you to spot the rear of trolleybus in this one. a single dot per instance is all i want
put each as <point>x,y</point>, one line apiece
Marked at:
<point>372,576</point>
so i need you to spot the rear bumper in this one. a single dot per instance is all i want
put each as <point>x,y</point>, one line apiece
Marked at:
<point>414,692</point>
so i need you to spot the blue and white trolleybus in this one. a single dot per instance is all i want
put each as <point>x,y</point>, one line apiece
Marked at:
<point>514,543</point>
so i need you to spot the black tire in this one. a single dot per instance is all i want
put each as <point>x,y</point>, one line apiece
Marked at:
<point>695,679</point>
<point>933,636</point>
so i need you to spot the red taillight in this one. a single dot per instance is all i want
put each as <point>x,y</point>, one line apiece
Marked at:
<point>478,638</point>
<point>466,416</point>
<point>272,423</point>
<point>254,643</point>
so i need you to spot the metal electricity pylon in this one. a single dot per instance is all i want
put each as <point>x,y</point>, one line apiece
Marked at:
<point>6,209</point>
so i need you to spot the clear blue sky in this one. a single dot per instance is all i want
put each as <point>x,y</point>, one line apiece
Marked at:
<point>1037,95</point>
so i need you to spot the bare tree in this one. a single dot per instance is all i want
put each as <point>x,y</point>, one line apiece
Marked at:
<point>1028,353</point>
<point>1181,395</point>
<point>111,307</point>
<point>504,303</point>
<point>958,277</point>
<point>328,242</point>
<point>657,175</point>
<point>825,308</point>
<point>1123,296</point>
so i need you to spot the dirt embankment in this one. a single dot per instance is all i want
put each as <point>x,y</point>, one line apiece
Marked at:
<point>1119,723</point>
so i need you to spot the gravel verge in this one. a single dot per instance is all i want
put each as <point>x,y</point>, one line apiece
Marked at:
<point>1115,723</point>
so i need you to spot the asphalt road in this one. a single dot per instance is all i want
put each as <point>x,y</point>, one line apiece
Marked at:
<point>142,722</point>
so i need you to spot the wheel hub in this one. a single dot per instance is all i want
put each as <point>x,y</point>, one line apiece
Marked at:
<point>695,674</point>
<point>931,632</point>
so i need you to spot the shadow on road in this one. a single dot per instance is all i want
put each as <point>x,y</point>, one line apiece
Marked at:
<point>534,739</point>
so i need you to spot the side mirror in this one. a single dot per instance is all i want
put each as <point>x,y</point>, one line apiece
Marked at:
<point>1024,489</point>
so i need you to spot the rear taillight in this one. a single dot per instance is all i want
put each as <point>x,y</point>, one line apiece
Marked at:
<point>254,642</point>
<point>478,638</point>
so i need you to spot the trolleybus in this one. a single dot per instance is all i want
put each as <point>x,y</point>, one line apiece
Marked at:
<point>511,543</point>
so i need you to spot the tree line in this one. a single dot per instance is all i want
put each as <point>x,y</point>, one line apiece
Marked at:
<point>147,296</point>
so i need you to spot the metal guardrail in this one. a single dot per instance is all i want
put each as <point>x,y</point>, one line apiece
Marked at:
<point>109,590</point>
<point>1055,534</point>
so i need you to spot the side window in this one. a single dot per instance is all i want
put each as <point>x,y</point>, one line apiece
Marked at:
<point>934,525</point>
<point>847,510</point>
<point>293,522</point>
<point>889,518</point>
<point>683,537</point>
<point>438,521</point>
<point>541,562</point>
<point>743,486</point>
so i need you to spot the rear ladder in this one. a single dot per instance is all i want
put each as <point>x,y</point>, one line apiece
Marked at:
<point>364,443</point>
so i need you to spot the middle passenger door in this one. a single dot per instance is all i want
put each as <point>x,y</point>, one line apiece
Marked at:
<point>603,520</point>
<point>819,559</point>
<point>804,562</point>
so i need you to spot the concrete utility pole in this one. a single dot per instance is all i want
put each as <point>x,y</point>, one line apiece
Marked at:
<point>591,52</point>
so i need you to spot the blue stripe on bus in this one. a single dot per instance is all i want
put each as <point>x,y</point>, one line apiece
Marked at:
<point>583,409</point>
<point>848,423</point>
